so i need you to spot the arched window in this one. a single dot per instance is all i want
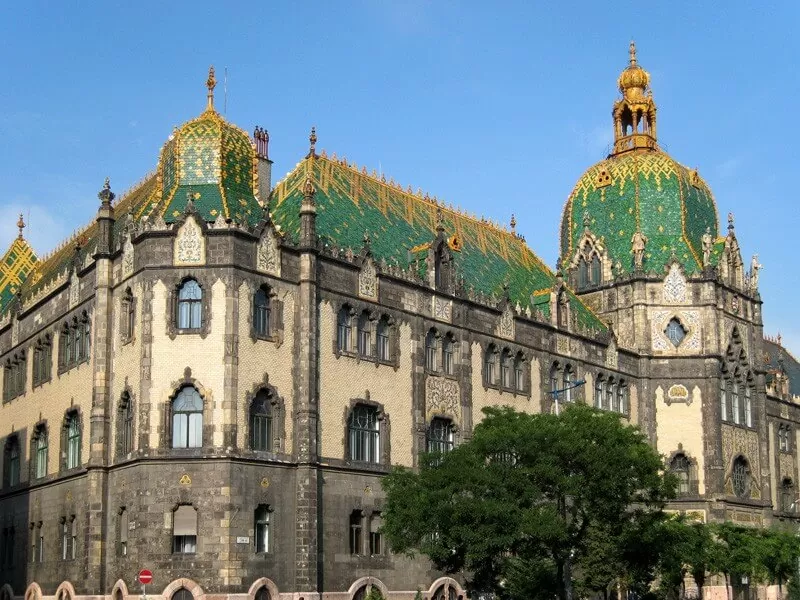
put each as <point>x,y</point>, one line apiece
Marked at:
<point>190,302</point>
<point>344,329</point>
<point>364,434</point>
<point>599,389</point>
<point>261,313</point>
<point>735,408</point>
<point>555,381</point>
<point>723,400</point>
<point>583,273</point>
<point>444,592</point>
<point>382,339</point>
<point>261,528</point>
<point>788,503</point>
<point>567,383</point>
<point>77,341</point>
<point>675,331</point>
<point>448,354</point>
<point>41,446</point>
<point>490,364</point>
<point>519,372</point>
<point>73,453</point>
<point>440,435</point>
<point>12,460</point>
<point>611,389</point>
<point>261,421</point>
<point>506,368</point>
<point>184,530</point>
<point>364,335</point>
<point>182,594</point>
<point>65,346</point>
<point>596,274</point>
<point>432,351</point>
<point>748,406</point>
<point>263,594</point>
<point>128,316</point>
<point>125,424</point>
<point>740,477</point>
<point>187,419</point>
<point>679,466</point>
<point>622,397</point>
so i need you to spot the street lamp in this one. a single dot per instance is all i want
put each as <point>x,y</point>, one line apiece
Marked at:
<point>572,385</point>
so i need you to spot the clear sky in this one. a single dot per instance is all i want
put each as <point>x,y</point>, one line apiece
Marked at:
<point>497,107</point>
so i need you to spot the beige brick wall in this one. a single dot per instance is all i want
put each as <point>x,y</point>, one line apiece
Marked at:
<point>681,423</point>
<point>257,358</point>
<point>50,401</point>
<point>203,356</point>
<point>345,378</point>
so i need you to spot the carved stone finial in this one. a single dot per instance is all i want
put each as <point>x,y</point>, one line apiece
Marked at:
<point>312,141</point>
<point>632,52</point>
<point>730,221</point>
<point>105,195</point>
<point>513,224</point>
<point>211,83</point>
<point>439,219</point>
<point>20,225</point>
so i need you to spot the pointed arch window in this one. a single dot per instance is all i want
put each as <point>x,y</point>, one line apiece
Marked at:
<point>125,416</point>
<point>519,372</point>
<point>128,316</point>
<point>622,398</point>
<point>748,405</point>
<point>12,461</point>
<point>490,364</point>
<point>42,361</point>
<point>364,434</point>
<point>261,313</point>
<point>383,331</point>
<point>599,392</point>
<point>611,390</point>
<point>364,335</point>
<point>261,422</point>
<point>740,477</point>
<point>583,273</point>
<point>723,400</point>
<point>344,329</point>
<point>735,407</point>
<point>41,452</point>
<point>675,331</point>
<point>596,270</point>
<point>506,368</point>
<point>567,383</point>
<point>432,351</point>
<point>448,354</point>
<point>73,445</point>
<point>190,305</point>
<point>187,419</point>
<point>679,466</point>
<point>440,435</point>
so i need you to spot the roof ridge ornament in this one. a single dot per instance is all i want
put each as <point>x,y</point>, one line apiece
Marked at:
<point>20,226</point>
<point>211,83</point>
<point>632,53</point>
<point>312,141</point>
<point>105,195</point>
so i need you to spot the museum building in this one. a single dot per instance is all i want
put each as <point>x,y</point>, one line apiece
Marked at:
<point>210,379</point>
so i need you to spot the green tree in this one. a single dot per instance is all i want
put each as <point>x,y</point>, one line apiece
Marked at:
<point>518,502</point>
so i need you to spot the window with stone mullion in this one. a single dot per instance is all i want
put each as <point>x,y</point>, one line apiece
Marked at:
<point>364,434</point>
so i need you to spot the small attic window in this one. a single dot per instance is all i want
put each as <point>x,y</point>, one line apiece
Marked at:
<point>603,178</point>
<point>675,331</point>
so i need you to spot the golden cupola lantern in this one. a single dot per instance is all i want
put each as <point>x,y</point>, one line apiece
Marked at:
<point>635,113</point>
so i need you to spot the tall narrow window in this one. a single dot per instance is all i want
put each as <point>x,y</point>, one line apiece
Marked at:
<point>261,421</point>
<point>555,382</point>
<point>10,545</point>
<point>490,360</point>
<point>740,476</point>
<point>40,468</point>
<point>735,408</point>
<point>506,368</point>
<point>432,351</point>
<point>128,317</point>
<point>440,435</point>
<point>567,384</point>
<point>190,301</point>
<point>364,335</point>
<point>77,341</point>
<point>788,503</point>
<point>40,542</point>
<point>356,542</point>
<point>187,419</point>
<point>65,346</point>
<point>124,525</point>
<point>723,401</point>
<point>261,528</point>
<point>375,536</point>
<point>448,354</point>
<point>73,454</point>
<point>382,339</point>
<point>184,530</point>
<point>364,434</point>
<point>125,424</point>
<point>583,273</point>
<point>748,406</point>
<point>622,398</point>
<point>86,325</point>
<point>12,460</point>
<point>596,270</point>
<point>519,372</point>
<point>344,329</point>
<point>64,538</point>
<point>261,313</point>
<point>611,388</point>
<point>680,468</point>
<point>598,392</point>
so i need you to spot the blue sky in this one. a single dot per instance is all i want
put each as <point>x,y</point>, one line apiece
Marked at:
<point>497,107</point>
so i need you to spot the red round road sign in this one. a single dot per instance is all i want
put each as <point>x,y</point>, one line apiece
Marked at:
<point>145,576</point>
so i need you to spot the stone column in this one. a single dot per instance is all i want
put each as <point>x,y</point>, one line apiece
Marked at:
<point>306,407</point>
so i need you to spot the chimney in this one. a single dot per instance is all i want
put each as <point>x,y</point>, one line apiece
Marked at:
<point>261,139</point>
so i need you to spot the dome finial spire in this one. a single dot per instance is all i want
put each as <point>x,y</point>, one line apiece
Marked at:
<point>21,225</point>
<point>632,52</point>
<point>211,83</point>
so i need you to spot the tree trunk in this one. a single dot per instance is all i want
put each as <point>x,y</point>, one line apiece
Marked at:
<point>728,588</point>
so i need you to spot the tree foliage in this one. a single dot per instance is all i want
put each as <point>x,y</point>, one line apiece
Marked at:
<point>533,502</point>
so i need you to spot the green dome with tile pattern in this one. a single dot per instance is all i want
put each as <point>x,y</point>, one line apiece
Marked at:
<point>212,161</point>
<point>643,191</point>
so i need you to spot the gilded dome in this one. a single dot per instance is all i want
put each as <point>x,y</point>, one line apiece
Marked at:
<point>644,191</point>
<point>633,77</point>
<point>215,163</point>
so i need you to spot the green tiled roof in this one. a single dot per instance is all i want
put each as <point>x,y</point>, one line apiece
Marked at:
<point>649,192</point>
<point>400,224</point>
<point>17,263</point>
